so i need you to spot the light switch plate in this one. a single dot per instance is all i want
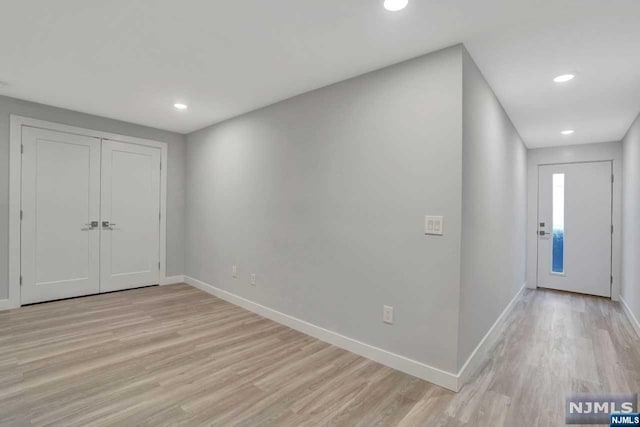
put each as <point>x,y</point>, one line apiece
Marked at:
<point>434,225</point>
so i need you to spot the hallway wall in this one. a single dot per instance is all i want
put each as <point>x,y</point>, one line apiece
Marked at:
<point>631,219</point>
<point>494,191</point>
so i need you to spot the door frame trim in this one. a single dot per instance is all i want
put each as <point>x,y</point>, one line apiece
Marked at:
<point>15,190</point>
<point>613,292</point>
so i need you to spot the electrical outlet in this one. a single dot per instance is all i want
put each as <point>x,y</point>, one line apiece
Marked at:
<point>234,271</point>
<point>253,279</point>
<point>387,314</point>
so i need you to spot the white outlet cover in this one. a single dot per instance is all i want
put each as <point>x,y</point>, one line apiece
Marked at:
<point>387,314</point>
<point>253,279</point>
<point>234,271</point>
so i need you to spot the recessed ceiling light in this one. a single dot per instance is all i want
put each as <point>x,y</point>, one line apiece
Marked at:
<point>564,78</point>
<point>567,132</point>
<point>180,106</point>
<point>395,5</point>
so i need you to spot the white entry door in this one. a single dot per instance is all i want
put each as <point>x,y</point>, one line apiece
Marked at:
<point>60,212</point>
<point>130,216</point>
<point>574,227</point>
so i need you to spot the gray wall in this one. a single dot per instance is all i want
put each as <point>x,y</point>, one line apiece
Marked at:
<point>570,154</point>
<point>323,196</point>
<point>494,169</point>
<point>175,173</point>
<point>631,219</point>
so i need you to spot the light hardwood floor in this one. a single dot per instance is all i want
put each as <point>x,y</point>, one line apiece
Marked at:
<point>175,355</point>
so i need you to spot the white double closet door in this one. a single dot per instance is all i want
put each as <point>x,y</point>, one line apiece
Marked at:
<point>90,215</point>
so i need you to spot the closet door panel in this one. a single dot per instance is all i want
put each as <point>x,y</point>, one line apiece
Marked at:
<point>60,209</point>
<point>130,216</point>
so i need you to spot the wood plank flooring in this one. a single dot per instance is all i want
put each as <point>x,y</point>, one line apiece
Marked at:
<point>175,355</point>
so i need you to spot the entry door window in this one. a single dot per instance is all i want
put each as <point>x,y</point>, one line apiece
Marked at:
<point>558,235</point>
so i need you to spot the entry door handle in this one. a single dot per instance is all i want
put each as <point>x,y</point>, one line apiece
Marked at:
<point>108,226</point>
<point>542,230</point>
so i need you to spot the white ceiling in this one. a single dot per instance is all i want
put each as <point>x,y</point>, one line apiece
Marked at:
<point>131,60</point>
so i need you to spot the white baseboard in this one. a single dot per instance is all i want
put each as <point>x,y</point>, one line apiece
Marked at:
<point>392,360</point>
<point>5,304</point>
<point>172,280</point>
<point>482,351</point>
<point>632,318</point>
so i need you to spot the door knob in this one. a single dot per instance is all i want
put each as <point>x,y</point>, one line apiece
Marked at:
<point>90,226</point>
<point>107,225</point>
